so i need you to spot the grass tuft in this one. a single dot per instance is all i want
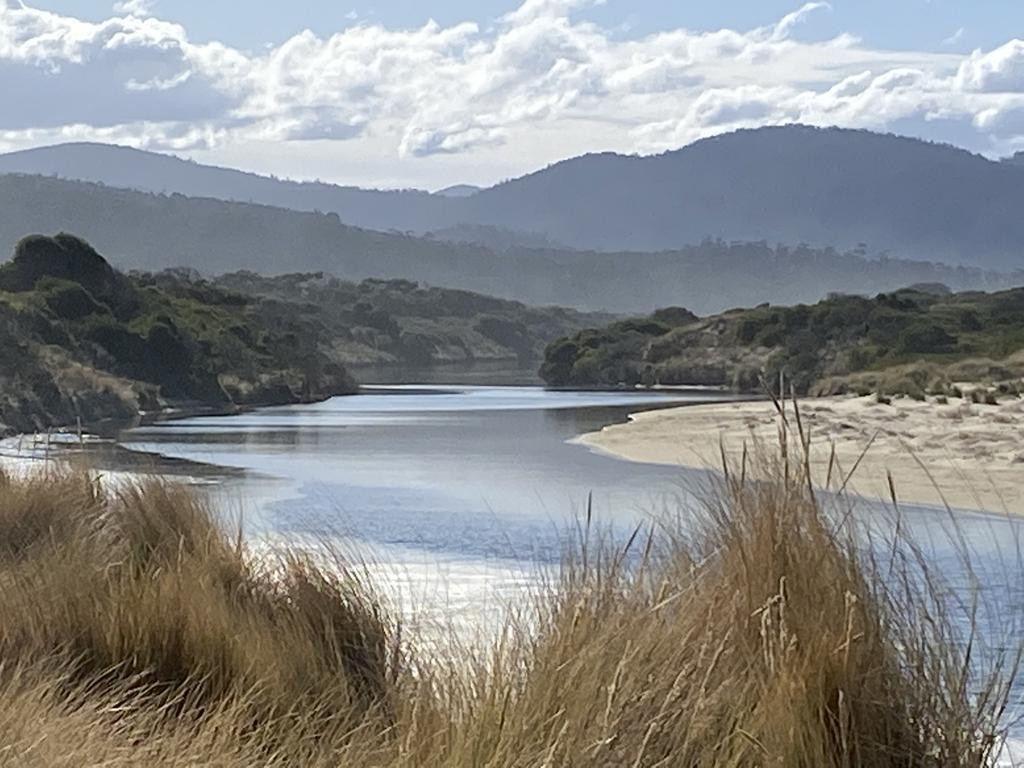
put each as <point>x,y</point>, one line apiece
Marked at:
<point>759,631</point>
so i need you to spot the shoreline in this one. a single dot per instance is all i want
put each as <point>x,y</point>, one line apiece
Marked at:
<point>959,455</point>
<point>105,428</point>
<point>66,441</point>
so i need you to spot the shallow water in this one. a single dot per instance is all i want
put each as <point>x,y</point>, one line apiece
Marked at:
<point>469,472</point>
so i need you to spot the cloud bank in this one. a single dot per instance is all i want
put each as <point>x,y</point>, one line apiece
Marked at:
<point>453,90</point>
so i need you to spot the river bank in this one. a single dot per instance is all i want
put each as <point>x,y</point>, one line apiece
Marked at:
<point>939,452</point>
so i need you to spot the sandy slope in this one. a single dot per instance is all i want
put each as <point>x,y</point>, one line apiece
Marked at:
<point>965,455</point>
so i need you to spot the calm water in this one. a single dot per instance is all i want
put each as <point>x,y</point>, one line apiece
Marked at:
<point>476,474</point>
<point>473,472</point>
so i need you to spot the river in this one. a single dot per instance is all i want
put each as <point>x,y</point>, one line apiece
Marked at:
<point>473,476</point>
<point>480,473</point>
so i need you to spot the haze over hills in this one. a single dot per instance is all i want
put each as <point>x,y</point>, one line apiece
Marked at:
<point>128,168</point>
<point>139,230</point>
<point>793,184</point>
<point>459,190</point>
<point>790,184</point>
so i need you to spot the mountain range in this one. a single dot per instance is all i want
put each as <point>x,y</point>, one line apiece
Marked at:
<point>791,184</point>
<point>144,231</point>
<point>694,228</point>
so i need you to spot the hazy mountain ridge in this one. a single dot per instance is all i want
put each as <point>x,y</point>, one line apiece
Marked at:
<point>459,190</point>
<point>139,230</point>
<point>128,168</point>
<point>495,238</point>
<point>792,184</point>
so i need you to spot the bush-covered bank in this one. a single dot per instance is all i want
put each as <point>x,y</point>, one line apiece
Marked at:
<point>80,341</point>
<point>912,341</point>
<point>135,631</point>
<point>405,323</point>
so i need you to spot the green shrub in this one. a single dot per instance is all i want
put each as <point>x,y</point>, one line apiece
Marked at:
<point>508,333</point>
<point>68,300</point>
<point>925,338</point>
<point>674,316</point>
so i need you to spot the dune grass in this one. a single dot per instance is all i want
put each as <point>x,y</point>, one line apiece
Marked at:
<point>136,630</point>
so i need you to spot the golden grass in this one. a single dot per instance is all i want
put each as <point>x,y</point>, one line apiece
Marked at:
<point>136,631</point>
<point>923,377</point>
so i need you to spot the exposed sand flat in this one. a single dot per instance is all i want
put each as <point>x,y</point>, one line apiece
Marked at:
<point>962,454</point>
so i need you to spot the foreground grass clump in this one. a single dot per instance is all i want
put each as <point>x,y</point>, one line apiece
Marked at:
<point>134,631</point>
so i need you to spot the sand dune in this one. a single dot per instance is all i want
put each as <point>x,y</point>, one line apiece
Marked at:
<point>960,454</point>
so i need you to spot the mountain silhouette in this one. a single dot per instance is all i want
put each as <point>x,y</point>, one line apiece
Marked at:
<point>790,184</point>
<point>141,230</point>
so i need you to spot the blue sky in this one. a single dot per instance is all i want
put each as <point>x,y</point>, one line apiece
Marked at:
<point>364,92</point>
<point>919,24</point>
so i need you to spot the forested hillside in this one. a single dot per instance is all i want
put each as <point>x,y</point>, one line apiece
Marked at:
<point>791,184</point>
<point>383,322</point>
<point>150,232</point>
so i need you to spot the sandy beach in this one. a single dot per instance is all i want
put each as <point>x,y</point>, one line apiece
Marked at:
<point>960,454</point>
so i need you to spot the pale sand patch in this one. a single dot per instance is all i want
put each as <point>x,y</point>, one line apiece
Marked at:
<point>959,454</point>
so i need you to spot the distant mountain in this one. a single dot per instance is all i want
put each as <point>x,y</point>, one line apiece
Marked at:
<point>459,191</point>
<point>138,230</point>
<point>792,184</point>
<point>127,168</point>
<point>1016,159</point>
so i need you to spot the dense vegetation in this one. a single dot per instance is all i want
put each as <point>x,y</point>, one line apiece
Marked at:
<point>400,322</point>
<point>152,232</point>
<point>81,341</point>
<point>910,341</point>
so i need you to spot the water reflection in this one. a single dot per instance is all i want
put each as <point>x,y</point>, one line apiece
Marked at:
<point>472,471</point>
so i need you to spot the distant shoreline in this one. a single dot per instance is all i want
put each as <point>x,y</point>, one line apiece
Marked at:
<point>959,454</point>
<point>105,428</point>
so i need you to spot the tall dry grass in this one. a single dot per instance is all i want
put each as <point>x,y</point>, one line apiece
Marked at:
<point>134,630</point>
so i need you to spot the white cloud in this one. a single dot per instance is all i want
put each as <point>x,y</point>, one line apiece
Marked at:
<point>531,10</point>
<point>790,21</point>
<point>135,7</point>
<point>62,71</point>
<point>450,90</point>
<point>999,70</point>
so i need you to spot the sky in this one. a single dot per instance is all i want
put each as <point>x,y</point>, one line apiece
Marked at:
<point>421,93</point>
